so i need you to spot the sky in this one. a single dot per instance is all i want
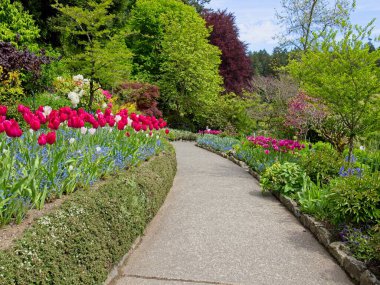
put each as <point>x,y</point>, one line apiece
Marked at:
<point>257,22</point>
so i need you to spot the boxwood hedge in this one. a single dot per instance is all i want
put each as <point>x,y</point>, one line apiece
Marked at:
<point>80,241</point>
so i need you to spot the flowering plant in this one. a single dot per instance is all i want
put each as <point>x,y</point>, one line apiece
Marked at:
<point>77,90</point>
<point>210,132</point>
<point>65,150</point>
<point>272,144</point>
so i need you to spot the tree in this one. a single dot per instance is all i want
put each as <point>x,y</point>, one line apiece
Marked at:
<point>198,4</point>
<point>46,15</point>
<point>236,65</point>
<point>261,61</point>
<point>304,112</point>
<point>344,75</point>
<point>17,26</point>
<point>102,54</point>
<point>305,21</point>
<point>171,49</point>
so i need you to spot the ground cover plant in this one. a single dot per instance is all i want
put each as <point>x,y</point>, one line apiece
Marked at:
<point>67,149</point>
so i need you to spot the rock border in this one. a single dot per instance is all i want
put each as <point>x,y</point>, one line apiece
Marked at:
<point>356,269</point>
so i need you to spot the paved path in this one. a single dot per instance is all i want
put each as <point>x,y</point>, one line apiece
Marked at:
<point>217,228</point>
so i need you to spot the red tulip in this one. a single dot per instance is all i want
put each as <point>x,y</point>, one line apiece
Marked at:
<point>35,125</point>
<point>42,140</point>
<point>167,131</point>
<point>127,134</point>
<point>51,138</point>
<point>12,129</point>
<point>3,110</point>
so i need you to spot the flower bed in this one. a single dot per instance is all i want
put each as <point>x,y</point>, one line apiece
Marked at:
<point>66,150</point>
<point>80,242</point>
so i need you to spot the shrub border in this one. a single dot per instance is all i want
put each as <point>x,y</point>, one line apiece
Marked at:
<point>355,268</point>
<point>82,240</point>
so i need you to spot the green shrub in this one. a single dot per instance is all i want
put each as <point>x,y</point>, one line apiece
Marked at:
<point>355,199</point>
<point>80,242</point>
<point>313,198</point>
<point>286,178</point>
<point>321,163</point>
<point>47,99</point>
<point>175,135</point>
<point>359,241</point>
<point>375,242</point>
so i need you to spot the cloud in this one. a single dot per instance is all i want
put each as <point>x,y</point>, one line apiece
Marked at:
<point>258,34</point>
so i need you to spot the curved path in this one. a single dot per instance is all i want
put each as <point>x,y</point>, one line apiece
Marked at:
<point>217,228</point>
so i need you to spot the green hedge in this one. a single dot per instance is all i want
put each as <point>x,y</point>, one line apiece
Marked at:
<point>82,240</point>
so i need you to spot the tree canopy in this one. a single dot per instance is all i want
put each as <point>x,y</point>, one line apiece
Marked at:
<point>170,45</point>
<point>344,75</point>
<point>236,67</point>
<point>305,21</point>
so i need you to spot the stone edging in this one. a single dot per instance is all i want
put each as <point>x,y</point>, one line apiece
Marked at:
<point>356,269</point>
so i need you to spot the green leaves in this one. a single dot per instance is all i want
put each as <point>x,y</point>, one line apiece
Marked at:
<point>286,178</point>
<point>17,26</point>
<point>101,53</point>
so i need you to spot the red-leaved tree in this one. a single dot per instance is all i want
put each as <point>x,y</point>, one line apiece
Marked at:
<point>235,68</point>
<point>143,94</point>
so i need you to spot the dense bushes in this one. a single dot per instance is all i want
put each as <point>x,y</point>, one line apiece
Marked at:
<point>81,241</point>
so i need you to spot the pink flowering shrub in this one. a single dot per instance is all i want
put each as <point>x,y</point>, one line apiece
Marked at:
<point>304,112</point>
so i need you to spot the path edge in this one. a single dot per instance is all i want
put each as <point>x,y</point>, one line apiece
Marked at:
<point>356,269</point>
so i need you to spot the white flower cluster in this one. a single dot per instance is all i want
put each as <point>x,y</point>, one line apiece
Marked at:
<point>79,79</point>
<point>75,96</point>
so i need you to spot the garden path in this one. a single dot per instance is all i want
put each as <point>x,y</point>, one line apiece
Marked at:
<point>216,227</point>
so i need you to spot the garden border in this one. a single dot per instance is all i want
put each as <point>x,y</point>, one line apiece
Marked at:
<point>356,269</point>
<point>83,240</point>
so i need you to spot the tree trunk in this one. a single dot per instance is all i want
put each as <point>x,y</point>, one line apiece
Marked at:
<point>92,91</point>
<point>350,147</point>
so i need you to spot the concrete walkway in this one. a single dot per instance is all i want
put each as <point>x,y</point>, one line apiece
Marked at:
<point>217,228</point>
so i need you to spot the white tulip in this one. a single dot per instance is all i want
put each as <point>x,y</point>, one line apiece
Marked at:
<point>91,131</point>
<point>117,118</point>
<point>71,141</point>
<point>47,110</point>
<point>83,130</point>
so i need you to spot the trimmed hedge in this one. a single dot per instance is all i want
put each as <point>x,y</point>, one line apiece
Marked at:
<point>80,242</point>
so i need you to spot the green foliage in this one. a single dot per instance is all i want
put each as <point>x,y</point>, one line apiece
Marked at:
<point>11,93</point>
<point>170,47</point>
<point>375,241</point>
<point>47,99</point>
<point>17,26</point>
<point>175,135</point>
<point>286,178</point>
<point>360,243</point>
<point>321,163</point>
<point>227,110</point>
<point>101,53</point>
<point>355,199</point>
<point>80,241</point>
<point>344,75</point>
<point>313,199</point>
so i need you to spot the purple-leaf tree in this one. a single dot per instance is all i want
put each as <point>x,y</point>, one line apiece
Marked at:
<point>235,68</point>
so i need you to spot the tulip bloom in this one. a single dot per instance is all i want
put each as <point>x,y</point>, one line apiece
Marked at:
<point>51,138</point>
<point>42,139</point>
